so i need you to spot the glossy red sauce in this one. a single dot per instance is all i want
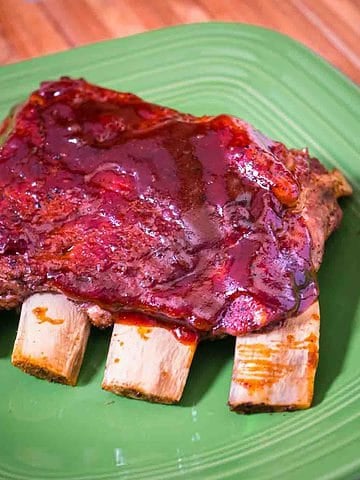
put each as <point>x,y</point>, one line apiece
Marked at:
<point>180,332</point>
<point>127,204</point>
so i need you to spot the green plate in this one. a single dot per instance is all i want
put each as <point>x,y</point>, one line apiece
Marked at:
<point>49,431</point>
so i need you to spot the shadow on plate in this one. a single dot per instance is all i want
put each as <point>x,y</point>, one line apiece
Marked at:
<point>95,354</point>
<point>8,328</point>
<point>339,298</point>
<point>210,358</point>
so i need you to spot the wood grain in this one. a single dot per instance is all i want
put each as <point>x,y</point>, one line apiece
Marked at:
<point>30,28</point>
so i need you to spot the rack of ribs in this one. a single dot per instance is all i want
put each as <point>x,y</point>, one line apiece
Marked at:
<point>170,227</point>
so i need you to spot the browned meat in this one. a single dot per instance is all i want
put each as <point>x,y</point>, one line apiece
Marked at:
<point>316,203</point>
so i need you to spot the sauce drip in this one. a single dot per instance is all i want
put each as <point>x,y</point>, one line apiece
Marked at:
<point>145,324</point>
<point>41,315</point>
<point>127,204</point>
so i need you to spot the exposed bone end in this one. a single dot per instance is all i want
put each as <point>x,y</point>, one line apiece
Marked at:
<point>51,338</point>
<point>147,362</point>
<point>275,370</point>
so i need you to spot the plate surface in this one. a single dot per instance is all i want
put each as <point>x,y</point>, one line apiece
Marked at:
<point>49,431</point>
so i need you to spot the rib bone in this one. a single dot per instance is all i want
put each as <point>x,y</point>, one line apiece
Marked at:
<point>51,338</point>
<point>147,362</point>
<point>275,370</point>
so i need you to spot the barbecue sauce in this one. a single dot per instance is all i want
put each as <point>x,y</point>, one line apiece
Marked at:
<point>127,204</point>
<point>145,324</point>
<point>41,315</point>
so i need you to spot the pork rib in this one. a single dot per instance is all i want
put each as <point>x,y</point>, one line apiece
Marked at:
<point>202,222</point>
<point>121,204</point>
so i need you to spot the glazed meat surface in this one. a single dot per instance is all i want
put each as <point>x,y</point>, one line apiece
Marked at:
<point>125,205</point>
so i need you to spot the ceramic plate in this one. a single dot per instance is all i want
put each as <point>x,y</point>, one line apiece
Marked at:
<point>49,431</point>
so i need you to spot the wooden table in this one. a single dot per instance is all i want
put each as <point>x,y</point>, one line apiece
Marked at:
<point>29,28</point>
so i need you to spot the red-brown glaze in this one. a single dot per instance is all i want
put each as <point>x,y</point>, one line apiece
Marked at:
<point>127,204</point>
<point>145,322</point>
